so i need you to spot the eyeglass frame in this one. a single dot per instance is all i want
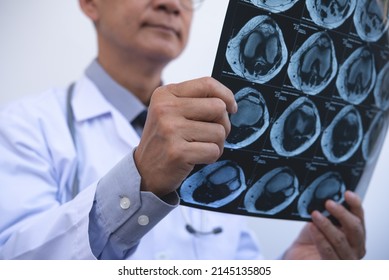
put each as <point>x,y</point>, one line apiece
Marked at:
<point>192,6</point>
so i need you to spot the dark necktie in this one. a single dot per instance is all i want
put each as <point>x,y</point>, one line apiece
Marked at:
<point>139,122</point>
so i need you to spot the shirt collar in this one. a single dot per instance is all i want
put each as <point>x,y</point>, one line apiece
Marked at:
<point>119,97</point>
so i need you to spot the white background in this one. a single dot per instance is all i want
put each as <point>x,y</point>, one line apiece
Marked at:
<point>46,43</point>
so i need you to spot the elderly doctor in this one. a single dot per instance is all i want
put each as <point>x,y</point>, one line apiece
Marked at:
<point>83,139</point>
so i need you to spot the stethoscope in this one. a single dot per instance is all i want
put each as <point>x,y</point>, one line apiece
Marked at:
<point>70,121</point>
<point>75,185</point>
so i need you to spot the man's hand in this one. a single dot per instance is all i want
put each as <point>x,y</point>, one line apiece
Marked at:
<point>187,124</point>
<point>321,239</point>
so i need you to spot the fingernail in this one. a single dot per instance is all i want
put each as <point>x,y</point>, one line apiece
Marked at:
<point>330,204</point>
<point>317,216</point>
<point>351,194</point>
<point>235,107</point>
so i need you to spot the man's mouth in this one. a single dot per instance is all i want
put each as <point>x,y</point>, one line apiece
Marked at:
<point>164,28</point>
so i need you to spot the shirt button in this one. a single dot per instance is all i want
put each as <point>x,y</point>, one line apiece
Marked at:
<point>143,220</point>
<point>162,256</point>
<point>125,202</point>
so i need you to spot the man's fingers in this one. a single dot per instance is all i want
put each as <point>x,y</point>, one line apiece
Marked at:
<point>204,132</point>
<point>331,238</point>
<point>350,223</point>
<point>212,110</point>
<point>324,248</point>
<point>201,152</point>
<point>205,88</point>
<point>355,204</point>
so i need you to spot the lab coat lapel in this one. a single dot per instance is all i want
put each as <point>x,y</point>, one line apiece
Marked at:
<point>88,103</point>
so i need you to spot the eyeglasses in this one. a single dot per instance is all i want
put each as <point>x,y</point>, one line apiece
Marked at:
<point>191,4</point>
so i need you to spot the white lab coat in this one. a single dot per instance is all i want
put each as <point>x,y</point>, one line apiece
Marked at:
<point>38,219</point>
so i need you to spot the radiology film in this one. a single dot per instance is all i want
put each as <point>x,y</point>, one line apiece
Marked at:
<point>311,80</point>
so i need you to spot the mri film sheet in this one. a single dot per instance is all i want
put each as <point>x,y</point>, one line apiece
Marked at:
<point>311,82</point>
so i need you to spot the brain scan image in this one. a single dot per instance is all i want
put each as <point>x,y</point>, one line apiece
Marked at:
<point>381,90</point>
<point>215,185</point>
<point>251,120</point>
<point>296,129</point>
<point>373,138</point>
<point>328,186</point>
<point>274,6</point>
<point>258,52</point>
<point>343,136</point>
<point>371,19</point>
<point>357,76</point>
<point>330,13</point>
<point>273,192</point>
<point>314,64</point>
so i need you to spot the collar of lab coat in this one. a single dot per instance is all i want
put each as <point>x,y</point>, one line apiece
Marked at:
<point>89,103</point>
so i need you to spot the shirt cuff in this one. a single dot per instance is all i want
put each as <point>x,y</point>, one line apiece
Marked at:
<point>121,214</point>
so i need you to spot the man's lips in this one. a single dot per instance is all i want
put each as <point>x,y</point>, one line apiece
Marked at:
<point>164,27</point>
